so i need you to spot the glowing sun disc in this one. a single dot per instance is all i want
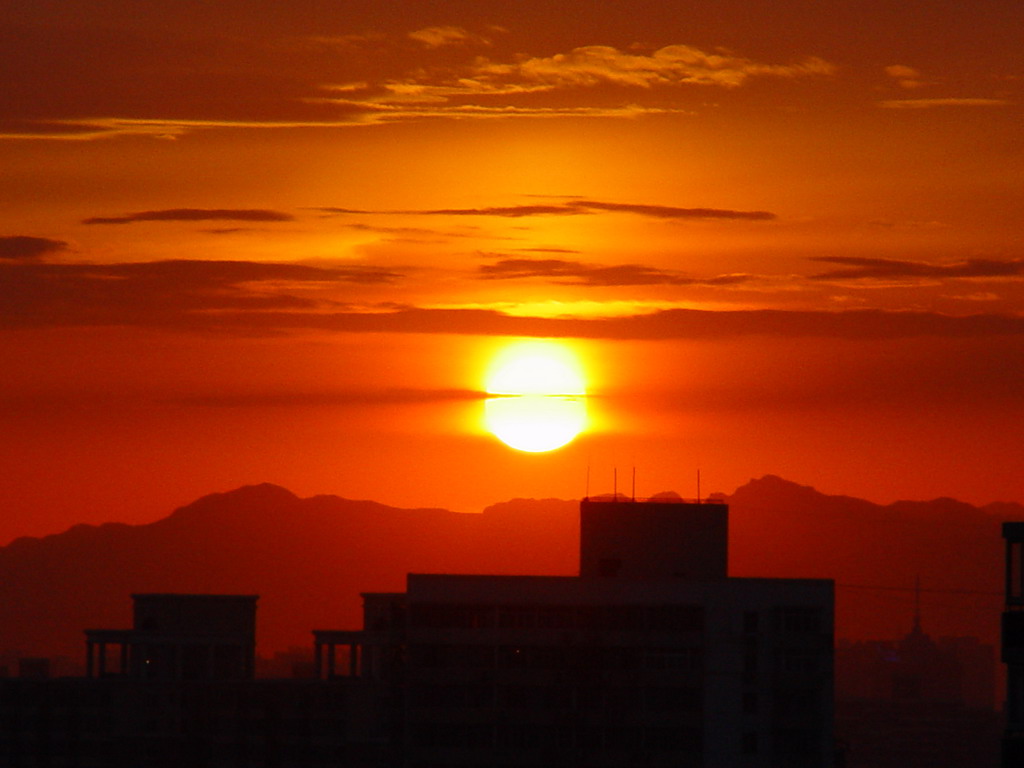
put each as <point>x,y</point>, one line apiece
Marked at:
<point>535,423</point>
<point>542,402</point>
<point>535,368</point>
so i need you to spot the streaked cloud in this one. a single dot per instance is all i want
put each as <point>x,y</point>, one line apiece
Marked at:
<point>946,102</point>
<point>194,214</point>
<point>667,324</point>
<point>22,247</point>
<point>255,298</point>
<point>574,208</point>
<point>440,37</point>
<point>177,293</point>
<point>568,272</point>
<point>346,79</point>
<point>90,129</point>
<point>672,65</point>
<point>320,398</point>
<point>861,268</point>
<point>905,77</point>
<point>470,91</point>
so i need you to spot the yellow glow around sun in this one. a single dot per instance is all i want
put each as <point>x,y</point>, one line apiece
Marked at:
<point>540,392</point>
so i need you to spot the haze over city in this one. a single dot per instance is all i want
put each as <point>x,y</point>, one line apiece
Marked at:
<point>246,242</point>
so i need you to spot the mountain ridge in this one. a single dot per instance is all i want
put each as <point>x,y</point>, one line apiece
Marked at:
<point>310,558</point>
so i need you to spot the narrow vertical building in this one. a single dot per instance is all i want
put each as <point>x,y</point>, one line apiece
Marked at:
<point>1013,645</point>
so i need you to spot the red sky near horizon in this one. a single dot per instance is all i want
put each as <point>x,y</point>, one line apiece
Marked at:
<point>252,242</point>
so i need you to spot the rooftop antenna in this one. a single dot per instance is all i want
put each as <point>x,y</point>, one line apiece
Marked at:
<point>634,482</point>
<point>615,484</point>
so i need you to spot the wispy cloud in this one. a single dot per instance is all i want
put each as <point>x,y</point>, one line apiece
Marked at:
<point>430,73</point>
<point>577,273</point>
<point>471,91</point>
<point>320,398</point>
<point>92,128</point>
<point>667,324</point>
<point>942,102</point>
<point>266,298</point>
<point>574,208</point>
<point>409,232</point>
<point>861,268</point>
<point>672,65</point>
<point>174,293</point>
<point>194,214</point>
<point>22,247</point>
<point>440,37</point>
<point>905,77</point>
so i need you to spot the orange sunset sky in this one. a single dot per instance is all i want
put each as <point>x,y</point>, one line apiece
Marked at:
<point>248,241</point>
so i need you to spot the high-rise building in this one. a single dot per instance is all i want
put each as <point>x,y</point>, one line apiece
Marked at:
<point>652,656</point>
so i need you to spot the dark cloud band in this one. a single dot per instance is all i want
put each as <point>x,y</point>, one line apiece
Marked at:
<point>858,268</point>
<point>194,214</point>
<point>575,208</point>
<point>20,247</point>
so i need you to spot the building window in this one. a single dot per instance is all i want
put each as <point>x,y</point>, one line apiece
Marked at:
<point>802,703</point>
<point>750,622</point>
<point>798,619</point>
<point>434,616</point>
<point>675,618</point>
<point>799,661</point>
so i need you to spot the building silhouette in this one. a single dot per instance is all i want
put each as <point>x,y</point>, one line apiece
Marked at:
<point>653,655</point>
<point>1013,645</point>
<point>917,701</point>
<point>179,637</point>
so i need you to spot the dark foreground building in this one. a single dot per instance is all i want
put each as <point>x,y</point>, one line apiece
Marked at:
<point>1013,645</point>
<point>651,657</point>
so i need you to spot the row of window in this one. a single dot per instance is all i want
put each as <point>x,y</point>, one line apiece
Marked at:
<point>444,656</point>
<point>658,618</point>
<point>563,698</point>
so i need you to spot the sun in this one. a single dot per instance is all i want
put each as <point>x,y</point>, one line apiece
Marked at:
<point>538,401</point>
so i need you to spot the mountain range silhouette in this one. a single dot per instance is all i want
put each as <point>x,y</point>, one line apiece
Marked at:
<point>310,558</point>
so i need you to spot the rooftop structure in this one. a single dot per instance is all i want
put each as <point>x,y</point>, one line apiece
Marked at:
<point>179,637</point>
